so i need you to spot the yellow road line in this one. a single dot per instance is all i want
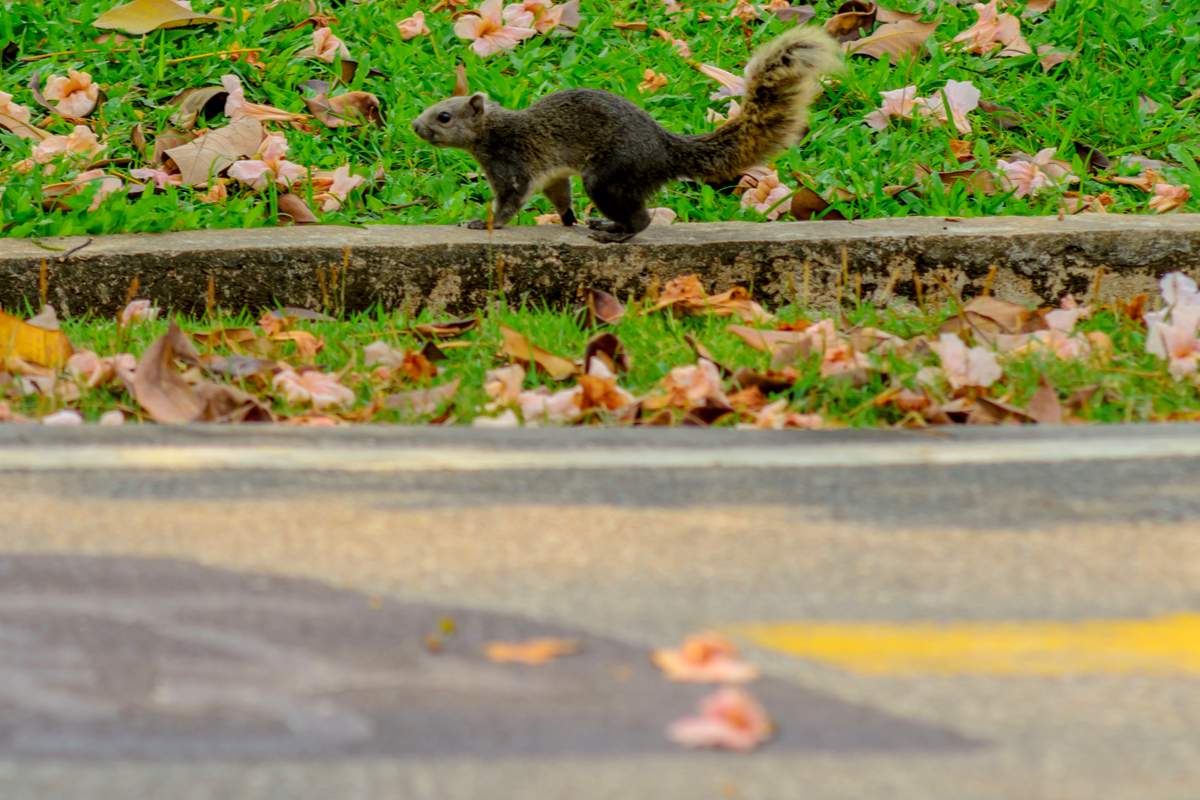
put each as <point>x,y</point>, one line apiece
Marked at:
<point>1167,644</point>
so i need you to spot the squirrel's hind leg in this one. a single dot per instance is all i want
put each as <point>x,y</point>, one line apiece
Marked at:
<point>559,193</point>
<point>626,209</point>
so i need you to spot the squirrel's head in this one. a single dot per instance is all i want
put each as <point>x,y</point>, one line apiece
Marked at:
<point>456,122</point>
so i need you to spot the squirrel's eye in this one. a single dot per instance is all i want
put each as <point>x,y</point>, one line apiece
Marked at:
<point>444,117</point>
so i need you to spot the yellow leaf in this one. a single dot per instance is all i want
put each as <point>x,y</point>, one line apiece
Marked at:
<point>143,16</point>
<point>19,339</point>
<point>532,652</point>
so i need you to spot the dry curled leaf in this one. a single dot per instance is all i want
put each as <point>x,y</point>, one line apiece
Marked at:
<point>143,16</point>
<point>517,347</point>
<point>32,343</point>
<point>894,40</point>
<point>293,209</point>
<point>687,294</point>
<point>423,401</point>
<point>978,181</point>
<point>807,205</point>
<point>167,397</point>
<point>532,652</point>
<point>1044,407</point>
<point>200,102</point>
<point>851,20</point>
<point>609,349</point>
<point>344,110</point>
<point>446,329</point>
<point>208,155</point>
<point>23,129</point>
<point>768,341</point>
<point>603,307</point>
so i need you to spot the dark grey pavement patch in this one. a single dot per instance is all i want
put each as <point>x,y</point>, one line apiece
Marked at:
<point>146,659</point>
<point>454,270</point>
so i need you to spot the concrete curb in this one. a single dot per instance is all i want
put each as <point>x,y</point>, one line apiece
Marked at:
<point>455,270</point>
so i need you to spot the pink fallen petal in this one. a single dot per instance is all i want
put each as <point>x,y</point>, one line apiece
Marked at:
<point>75,95</point>
<point>1168,198</point>
<point>325,47</point>
<point>412,27</point>
<point>314,387</point>
<point>731,85</point>
<point>508,419</point>
<point>112,418</point>
<point>704,658</point>
<point>896,103</point>
<point>251,172</point>
<point>11,109</point>
<point>729,719</point>
<point>138,311</point>
<point>504,384</point>
<point>66,418</point>
<point>964,367</point>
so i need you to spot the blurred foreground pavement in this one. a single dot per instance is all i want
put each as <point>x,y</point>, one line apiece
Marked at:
<point>245,614</point>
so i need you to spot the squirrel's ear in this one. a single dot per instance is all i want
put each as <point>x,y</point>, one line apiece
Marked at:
<point>477,102</point>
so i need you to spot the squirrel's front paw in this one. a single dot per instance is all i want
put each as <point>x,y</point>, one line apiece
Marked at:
<point>479,225</point>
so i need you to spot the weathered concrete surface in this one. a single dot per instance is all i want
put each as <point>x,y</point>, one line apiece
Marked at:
<point>179,630</point>
<point>453,269</point>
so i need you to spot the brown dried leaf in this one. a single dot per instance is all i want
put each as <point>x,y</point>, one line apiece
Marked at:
<point>205,101</point>
<point>609,349</point>
<point>213,152</point>
<point>796,14</point>
<point>1049,58</point>
<point>22,129</point>
<point>687,294</point>
<point>807,204</point>
<point>307,344</point>
<point>962,150</point>
<point>423,401</point>
<point>604,307</point>
<point>1093,159</point>
<point>517,347</point>
<point>891,15</point>
<point>344,110</point>
<point>162,391</point>
<point>32,343</point>
<point>446,329</point>
<point>461,87</point>
<point>636,25</point>
<point>894,39</point>
<point>1044,407</point>
<point>293,209</point>
<point>767,340</point>
<point>990,316</point>
<point>143,16</point>
<point>851,20</point>
<point>1004,117</point>
<point>987,411</point>
<point>979,181</point>
<point>532,652</point>
<point>1034,7</point>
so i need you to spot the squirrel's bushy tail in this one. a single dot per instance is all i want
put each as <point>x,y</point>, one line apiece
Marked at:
<point>781,81</point>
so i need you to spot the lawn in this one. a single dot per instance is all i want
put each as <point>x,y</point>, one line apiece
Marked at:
<point>1128,90</point>
<point>680,358</point>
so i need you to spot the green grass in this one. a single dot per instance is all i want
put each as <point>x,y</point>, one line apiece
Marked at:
<point>1125,49</point>
<point>1129,384</point>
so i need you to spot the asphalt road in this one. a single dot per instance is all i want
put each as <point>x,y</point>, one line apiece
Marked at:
<point>234,614</point>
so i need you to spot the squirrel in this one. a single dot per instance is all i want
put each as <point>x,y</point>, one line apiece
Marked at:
<point>621,152</point>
